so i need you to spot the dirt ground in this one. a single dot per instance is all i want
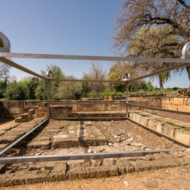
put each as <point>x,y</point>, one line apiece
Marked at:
<point>164,179</point>
<point>6,122</point>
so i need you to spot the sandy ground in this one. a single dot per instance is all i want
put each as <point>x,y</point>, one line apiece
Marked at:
<point>7,122</point>
<point>164,179</point>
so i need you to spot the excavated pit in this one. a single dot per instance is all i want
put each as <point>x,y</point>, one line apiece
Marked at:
<point>62,137</point>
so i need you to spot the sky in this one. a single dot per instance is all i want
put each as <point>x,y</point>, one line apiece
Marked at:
<point>69,27</point>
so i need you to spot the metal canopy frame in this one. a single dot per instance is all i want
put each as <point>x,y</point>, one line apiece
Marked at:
<point>184,62</point>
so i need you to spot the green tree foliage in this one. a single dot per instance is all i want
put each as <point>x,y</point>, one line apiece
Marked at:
<point>15,91</point>
<point>148,86</point>
<point>3,87</point>
<point>69,90</point>
<point>148,43</point>
<point>117,87</point>
<point>41,90</point>
<point>122,68</point>
<point>30,84</point>
<point>85,89</point>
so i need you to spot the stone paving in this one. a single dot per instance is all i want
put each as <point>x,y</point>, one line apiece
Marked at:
<point>11,132</point>
<point>65,134</point>
<point>59,171</point>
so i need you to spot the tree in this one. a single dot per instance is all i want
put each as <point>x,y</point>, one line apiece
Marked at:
<point>147,44</point>
<point>3,87</point>
<point>127,67</point>
<point>30,83</point>
<point>41,90</point>
<point>96,73</point>
<point>118,87</point>
<point>15,91</point>
<point>68,90</point>
<point>5,72</point>
<point>135,14</point>
<point>85,86</point>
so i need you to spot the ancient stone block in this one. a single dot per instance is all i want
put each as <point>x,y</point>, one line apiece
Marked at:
<point>144,121</point>
<point>182,136</point>
<point>159,127</point>
<point>169,130</point>
<point>44,144</point>
<point>177,101</point>
<point>151,124</point>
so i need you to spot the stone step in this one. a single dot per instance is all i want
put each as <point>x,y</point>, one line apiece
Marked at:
<point>25,117</point>
<point>18,120</point>
<point>31,111</point>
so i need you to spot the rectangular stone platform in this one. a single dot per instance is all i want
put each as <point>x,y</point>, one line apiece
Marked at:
<point>65,134</point>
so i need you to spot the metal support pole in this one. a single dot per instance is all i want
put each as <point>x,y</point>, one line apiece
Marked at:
<point>48,83</point>
<point>127,106</point>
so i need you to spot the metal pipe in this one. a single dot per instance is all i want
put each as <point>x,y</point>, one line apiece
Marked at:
<point>48,84</point>
<point>163,71</point>
<point>90,102</point>
<point>21,138</point>
<point>13,64</point>
<point>127,107</point>
<point>160,109</point>
<point>161,134</point>
<point>77,80</point>
<point>91,58</point>
<point>87,118</point>
<point>49,158</point>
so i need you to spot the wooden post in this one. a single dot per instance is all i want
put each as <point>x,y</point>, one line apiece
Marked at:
<point>48,83</point>
<point>127,107</point>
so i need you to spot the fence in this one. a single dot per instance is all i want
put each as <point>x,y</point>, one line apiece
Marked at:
<point>184,63</point>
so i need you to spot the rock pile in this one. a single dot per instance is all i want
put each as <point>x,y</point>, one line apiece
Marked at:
<point>183,93</point>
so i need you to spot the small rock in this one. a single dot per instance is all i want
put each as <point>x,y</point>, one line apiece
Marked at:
<point>149,157</point>
<point>119,139</point>
<point>129,139</point>
<point>152,184</point>
<point>37,154</point>
<point>187,152</point>
<point>90,151</point>
<point>137,144</point>
<point>184,169</point>
<point>110,144</point>
<point>128,143</point>
<point>143,147</point>
<point>126,183</point>
<point>148,149</point>
<point>105,128</point>
<point>115,136</point>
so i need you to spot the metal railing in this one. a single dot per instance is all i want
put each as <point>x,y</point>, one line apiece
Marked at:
<point>185,62</point>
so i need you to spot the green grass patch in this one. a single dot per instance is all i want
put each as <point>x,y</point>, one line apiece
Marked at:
<point>141,91</point>
<point>3,99</point>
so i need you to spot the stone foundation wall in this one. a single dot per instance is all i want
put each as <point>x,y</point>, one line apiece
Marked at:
<point>60,111</point>
<point>180,104</point>
<point>13,109</point>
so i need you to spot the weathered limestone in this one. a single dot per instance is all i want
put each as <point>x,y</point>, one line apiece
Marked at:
<point>14,131</point>
<point>79,135</point>
<point>182,135</point>
<point>90,169</point>
<point>175,129</point>
<point>44,144</point>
